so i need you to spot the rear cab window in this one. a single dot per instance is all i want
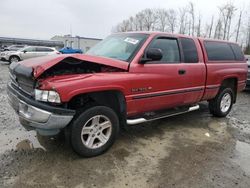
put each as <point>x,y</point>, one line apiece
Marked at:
<point>239,56</point>
<point>223,51</point>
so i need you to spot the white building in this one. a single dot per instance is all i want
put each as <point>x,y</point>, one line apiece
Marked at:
<point>77,42</point>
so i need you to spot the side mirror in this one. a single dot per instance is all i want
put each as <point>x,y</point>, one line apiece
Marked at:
<point>24,51</point>
<point>152,54</point>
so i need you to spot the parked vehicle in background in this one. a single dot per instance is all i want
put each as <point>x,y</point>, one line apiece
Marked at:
<point>69,50</point>
<point>2,48</point>
<point>14,47</point>
<point>28,52</point>
<point>248,75</point>
<point>126,79</point>
<point>7,50</point>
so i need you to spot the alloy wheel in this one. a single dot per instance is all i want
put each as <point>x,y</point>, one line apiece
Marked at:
<point>96,131</point>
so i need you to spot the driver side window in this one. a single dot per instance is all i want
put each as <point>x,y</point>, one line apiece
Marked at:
<point>169,48</point>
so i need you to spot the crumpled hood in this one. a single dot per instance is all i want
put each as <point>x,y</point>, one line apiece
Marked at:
<point>41,64</point>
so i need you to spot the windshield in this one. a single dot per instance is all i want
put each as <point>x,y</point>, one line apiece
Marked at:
<point>119,46</point>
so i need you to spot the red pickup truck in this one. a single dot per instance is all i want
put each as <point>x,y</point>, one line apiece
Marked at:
<point>126,79</point>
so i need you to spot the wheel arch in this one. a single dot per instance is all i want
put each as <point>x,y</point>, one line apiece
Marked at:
<point>114,99</point>
<point>14,55</point>
<point>230,82</point>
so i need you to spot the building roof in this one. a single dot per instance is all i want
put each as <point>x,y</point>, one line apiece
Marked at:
<point>90,38</point>
<point>30,41</point>
<point>69,36</point>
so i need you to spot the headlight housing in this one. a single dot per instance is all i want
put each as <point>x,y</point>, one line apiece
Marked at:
<point>4,53</point>
<point>47,96</point>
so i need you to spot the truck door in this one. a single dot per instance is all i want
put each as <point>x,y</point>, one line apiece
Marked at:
<point>195,69</point>
<point>170,81</point>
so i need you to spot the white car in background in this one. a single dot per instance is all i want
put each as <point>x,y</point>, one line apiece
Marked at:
<point>28,52</point>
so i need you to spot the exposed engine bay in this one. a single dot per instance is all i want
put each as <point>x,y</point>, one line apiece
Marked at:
<point>75,66</point>
<point>22,76</point>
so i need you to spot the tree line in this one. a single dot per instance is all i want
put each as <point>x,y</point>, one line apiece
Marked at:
<point>230,23</point>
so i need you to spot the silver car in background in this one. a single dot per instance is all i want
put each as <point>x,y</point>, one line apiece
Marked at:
<point>27,52</point>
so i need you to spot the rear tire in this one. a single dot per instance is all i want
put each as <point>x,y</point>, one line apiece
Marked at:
<point>94,131</point>
<point>222,104</point>
<point>14,59</point>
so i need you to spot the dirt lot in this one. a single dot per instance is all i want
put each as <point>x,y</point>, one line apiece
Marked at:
<point>190,150</point>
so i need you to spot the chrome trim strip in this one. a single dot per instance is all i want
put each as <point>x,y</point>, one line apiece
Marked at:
<point>143,120</point>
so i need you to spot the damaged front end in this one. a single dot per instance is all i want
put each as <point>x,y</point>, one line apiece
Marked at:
<point>45,118</point>
<point>42,109</point>
<point>72,66</point>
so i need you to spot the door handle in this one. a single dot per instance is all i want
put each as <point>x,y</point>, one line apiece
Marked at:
<point>181,72</point>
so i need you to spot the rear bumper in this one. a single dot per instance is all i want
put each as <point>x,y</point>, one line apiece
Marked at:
<point>47,120</point>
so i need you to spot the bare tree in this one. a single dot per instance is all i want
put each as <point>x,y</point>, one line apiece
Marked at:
<point>122,27</point>
<point>211,27</point>
<point>205,31</point>
<point>171,18</point>
<point>182,20</point>
<point>166,20</point>
<point>247,51</point>
<point>218,30</point>
<point>189,27</point>
<point>192,13</point>
<point>149,19</point>
<point>227,12</point>
<point>139,21</point>
<point>132,24</point>
<point>186,21</point>
<point>248,41</point>
<point>238,27</point>
<point>162,15</point>
<point>199,27</point>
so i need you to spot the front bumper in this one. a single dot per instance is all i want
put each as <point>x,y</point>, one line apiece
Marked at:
<point>4,57</point>
<point>47,120</point>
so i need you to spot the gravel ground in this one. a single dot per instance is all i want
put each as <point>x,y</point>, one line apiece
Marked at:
<point>190,150</point>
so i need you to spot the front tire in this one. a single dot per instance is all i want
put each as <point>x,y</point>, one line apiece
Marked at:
<point>94,131</point>
<point>222,104</point>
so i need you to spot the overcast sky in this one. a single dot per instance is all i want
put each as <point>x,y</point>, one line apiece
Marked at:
<point>42,19</point>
